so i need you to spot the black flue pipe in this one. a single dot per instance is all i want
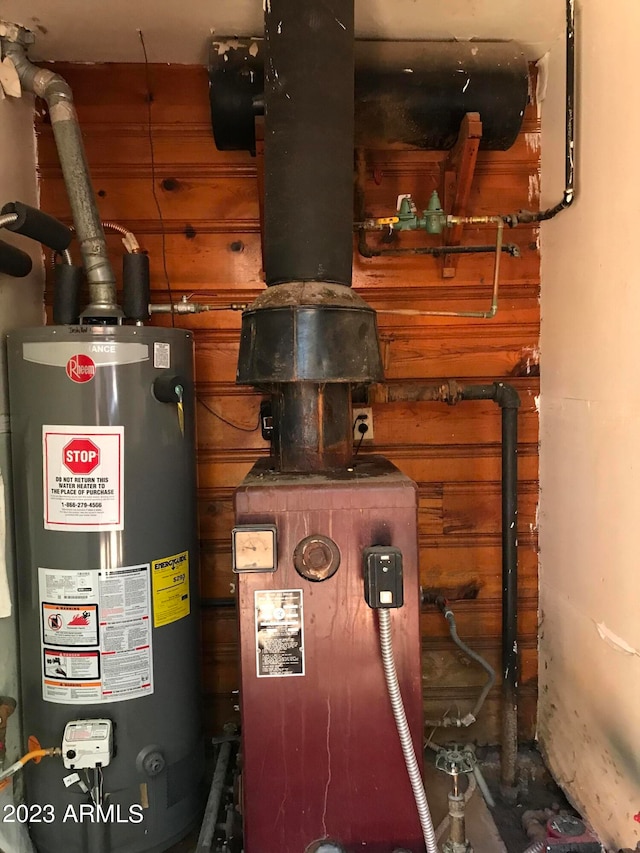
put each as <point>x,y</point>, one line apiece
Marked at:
<point>309,127</point>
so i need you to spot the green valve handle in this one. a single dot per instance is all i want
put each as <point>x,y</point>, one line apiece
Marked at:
<point>433,219</point>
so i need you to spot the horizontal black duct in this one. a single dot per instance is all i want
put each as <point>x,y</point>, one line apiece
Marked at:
<point>409,93</point>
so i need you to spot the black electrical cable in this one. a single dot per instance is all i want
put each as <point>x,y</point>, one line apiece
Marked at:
<point>153,176</point>
<point>225,421</point>
<point>361,420</point>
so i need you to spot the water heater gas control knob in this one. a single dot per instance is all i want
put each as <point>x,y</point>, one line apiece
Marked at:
<point>87,744</point>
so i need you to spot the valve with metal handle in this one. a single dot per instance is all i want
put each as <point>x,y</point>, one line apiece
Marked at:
<point>433,219</point>
<point>454,762</point>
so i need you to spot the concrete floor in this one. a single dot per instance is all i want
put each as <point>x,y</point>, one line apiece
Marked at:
<point>481,829</point>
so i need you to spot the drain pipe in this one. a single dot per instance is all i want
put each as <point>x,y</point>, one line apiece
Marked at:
<point>568,196</point>
<point>508,399</point>
<point>66,130</point>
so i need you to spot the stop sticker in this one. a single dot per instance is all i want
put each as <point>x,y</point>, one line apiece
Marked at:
<point>81,368</point>
<point>81,456</point>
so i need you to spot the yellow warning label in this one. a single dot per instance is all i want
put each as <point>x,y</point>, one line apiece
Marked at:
<point>170,581</point>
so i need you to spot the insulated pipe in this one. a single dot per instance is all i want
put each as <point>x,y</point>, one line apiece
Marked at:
<point>66,130</point>
<point>309,127</point>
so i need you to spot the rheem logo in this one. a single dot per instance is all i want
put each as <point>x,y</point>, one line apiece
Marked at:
<point>81,368</point>
<point>81,456</point>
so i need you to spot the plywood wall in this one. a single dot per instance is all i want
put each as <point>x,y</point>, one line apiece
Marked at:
<point>209,242</point>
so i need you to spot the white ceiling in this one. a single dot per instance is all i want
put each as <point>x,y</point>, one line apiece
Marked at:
<point>178,30</point>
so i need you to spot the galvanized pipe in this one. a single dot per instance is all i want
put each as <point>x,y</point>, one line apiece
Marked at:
<point>205,839</point>
<point>66,130</point>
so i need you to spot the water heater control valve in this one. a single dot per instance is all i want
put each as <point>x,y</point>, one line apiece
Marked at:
<point>87,744</point>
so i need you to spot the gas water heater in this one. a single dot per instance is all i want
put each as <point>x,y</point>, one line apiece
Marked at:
<point>103,442</point>
<point>104,470</point>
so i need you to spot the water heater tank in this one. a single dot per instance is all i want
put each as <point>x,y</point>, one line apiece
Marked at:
<point>102,421</point>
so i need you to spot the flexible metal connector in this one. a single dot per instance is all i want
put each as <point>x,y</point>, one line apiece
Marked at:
<point>404,733</point>
<point>129,241</point>
<point>128,237</point>
<point>66,130</point>
<point>7,219</point>
<point>19,764</point>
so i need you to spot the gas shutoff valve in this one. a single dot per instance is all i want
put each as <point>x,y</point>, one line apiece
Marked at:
<point>87,744</point>
<point>383,586</point>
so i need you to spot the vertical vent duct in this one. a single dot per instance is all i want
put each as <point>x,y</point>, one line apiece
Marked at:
<point>309,76</point>
<point>309,336</point>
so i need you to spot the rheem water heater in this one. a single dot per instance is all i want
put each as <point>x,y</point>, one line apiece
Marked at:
<point>104,471</point>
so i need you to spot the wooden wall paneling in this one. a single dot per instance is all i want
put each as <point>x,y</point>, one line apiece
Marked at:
<point>211,234</point>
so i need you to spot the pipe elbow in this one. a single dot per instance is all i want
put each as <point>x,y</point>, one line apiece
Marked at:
<point>42,82</point>
<point>52,87</point>
<point>506,396</point>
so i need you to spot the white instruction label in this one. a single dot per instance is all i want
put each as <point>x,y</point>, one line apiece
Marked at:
<point>96,634</point>
<point>79,666</point>
<point>279,633</point>
<point>82,478</point>
<point>161,355</point>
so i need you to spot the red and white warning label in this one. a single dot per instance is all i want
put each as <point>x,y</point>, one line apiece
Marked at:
<point>83,478</point>
<point>96,634</point>
<point>70,625</point>
<point>71,666</point>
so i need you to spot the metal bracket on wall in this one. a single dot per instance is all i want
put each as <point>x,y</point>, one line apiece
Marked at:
<point>458,171</point>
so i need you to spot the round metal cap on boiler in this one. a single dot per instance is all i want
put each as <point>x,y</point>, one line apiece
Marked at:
<point>316,557</point>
